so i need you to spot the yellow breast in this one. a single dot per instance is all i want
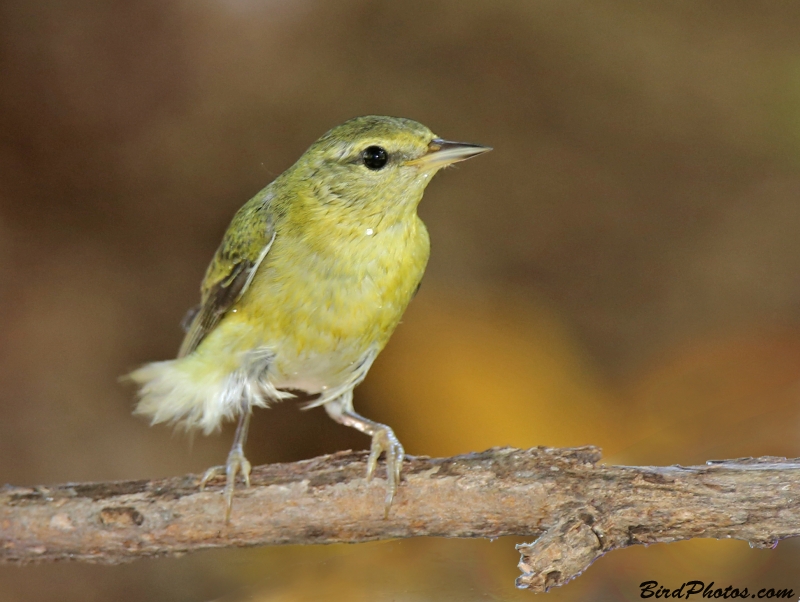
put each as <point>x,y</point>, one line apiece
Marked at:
<point>321,303</point>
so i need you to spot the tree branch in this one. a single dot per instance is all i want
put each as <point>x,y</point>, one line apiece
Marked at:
<point>577,509</point>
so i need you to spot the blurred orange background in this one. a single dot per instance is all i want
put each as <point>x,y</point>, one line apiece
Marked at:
<point>623,269</point>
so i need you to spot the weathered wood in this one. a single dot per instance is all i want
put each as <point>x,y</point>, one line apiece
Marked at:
<point>578,509</point>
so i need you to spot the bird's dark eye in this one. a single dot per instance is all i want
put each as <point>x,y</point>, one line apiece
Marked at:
<point>374,157</point>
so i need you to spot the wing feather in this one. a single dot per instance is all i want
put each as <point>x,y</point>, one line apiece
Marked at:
<point>244,246</point>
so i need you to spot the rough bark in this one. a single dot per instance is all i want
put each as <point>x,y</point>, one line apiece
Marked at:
<point>577,509</point>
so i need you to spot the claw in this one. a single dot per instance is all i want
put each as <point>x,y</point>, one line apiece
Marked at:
<point>210,474</point>
<point>236,463</point>
<point>384,440</point>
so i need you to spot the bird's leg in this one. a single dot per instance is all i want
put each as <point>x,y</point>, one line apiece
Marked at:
<point>236,463</point>
<point>383,440</point>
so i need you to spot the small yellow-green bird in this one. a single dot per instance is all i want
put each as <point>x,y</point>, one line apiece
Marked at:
<point>311,279</point>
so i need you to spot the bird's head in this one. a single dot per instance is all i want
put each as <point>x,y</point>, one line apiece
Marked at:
<point>378,163</point>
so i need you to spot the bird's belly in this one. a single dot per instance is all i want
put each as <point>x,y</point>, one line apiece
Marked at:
<point>323,341</point>
<point>323,330</point>
<point>321,373</point>
<point>322,317</point>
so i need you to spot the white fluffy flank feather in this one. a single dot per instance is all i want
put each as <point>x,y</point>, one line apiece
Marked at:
<point>171,392</point>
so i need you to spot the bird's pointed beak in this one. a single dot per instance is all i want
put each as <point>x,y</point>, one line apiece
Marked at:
<point>441,153</point>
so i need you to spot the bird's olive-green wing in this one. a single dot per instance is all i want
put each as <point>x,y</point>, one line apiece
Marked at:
<point>246,243</point>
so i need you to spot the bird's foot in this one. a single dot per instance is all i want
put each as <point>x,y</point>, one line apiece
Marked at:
<point>236,463</point>
<point>384,440</point>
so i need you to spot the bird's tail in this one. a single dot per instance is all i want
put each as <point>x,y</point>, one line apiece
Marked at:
<point>190,395</point>
<point>169,392</point>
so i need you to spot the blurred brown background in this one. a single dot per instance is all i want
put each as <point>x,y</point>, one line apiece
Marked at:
<point>623,270</point>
